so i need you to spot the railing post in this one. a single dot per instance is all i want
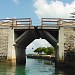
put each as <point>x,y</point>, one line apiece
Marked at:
<point>16,23</point>
<point>12,23</point>
<point>60,22</point>
<point>41,23</point>
<point>30,23</point>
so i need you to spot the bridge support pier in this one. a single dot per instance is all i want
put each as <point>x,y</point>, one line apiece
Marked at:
<point>11,56</point>
<point>16,53</point>
<point>60,48</point>
<point>20,55</point>
<point>61,44</point>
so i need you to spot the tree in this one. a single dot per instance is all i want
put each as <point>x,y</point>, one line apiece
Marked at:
<point>38,50</point>
<point>50,50</point>
<point>45,50</point>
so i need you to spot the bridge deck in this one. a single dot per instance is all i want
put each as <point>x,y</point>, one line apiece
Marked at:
<point>33,27</point>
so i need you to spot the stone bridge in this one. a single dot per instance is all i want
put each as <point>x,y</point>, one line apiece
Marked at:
<point>17,34</point>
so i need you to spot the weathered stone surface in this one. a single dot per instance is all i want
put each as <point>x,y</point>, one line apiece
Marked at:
<point>3,42</point>
<point>69,38</point>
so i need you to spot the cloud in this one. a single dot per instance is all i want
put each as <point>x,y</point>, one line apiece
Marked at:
<point>54,9</point>
<point>16,1</point>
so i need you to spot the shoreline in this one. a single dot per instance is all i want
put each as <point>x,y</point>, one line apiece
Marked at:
<point>44,57</point>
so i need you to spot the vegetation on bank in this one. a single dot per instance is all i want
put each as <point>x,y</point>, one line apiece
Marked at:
<point>44,50</point>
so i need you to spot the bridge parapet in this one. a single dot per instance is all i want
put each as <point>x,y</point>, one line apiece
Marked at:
<point>57,22</point>
<point>68,22</point>
<point>16,22</point>
<point>50,22</point>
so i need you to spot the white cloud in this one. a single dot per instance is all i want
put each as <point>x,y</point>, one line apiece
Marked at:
<point>16,1</point>
<point>55,9</point>
<point>7,20</point>
<point>35,44</point>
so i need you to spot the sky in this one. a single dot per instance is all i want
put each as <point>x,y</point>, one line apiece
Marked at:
<point>36,9</point>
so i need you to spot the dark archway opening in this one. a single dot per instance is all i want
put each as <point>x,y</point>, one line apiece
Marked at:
<point>24,37</point>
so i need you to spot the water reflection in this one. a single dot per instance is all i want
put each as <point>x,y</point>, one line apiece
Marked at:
<point>35,67</point>
<point>7,69</point>
<point>20,70</point>
<point>38,67</point>
<point>46,62</point>
<point>65,71</point>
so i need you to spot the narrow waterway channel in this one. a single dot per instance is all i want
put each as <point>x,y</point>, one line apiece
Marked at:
<point>35,67</point>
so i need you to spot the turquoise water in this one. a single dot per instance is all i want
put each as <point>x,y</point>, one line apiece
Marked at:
<point>34,67</point>
<point>39,67</point>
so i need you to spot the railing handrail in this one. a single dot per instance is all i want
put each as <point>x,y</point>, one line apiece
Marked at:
<point>49,21</point>
<point>61,18</point>
<point>15,21</point>
<point>58,21</point>
<point>44,21</point>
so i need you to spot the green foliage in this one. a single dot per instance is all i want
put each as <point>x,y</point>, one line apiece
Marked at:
<point>38,50</point>
<point>48,50</point>
<point>45,50</point>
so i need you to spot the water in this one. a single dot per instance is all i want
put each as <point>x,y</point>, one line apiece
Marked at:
<point>35,67</point>
<point>39,67</point>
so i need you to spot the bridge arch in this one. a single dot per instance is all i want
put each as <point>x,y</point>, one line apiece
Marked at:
<point>24,37</point>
